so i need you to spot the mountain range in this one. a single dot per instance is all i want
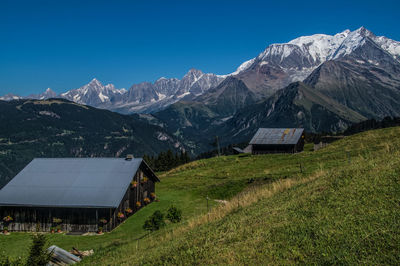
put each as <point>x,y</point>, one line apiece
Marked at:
<point>144,97</point>
<point>319,82</point>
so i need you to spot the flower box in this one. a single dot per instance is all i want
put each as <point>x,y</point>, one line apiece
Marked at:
<point>8,219</point>
<point>133,184</point>
<point>121,215</point>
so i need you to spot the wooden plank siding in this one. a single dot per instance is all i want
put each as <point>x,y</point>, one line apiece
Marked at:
<point>276,148</point>
<point>77,219</point>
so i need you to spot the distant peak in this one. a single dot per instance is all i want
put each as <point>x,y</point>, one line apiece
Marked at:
<point>162,78</point>
<point>344,33</point>
<point>362,28</point>
<point>194,71</point>
<point>364,32</point>
<point>95,82</point>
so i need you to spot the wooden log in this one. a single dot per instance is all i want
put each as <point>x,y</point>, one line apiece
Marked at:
<point>61,256</point>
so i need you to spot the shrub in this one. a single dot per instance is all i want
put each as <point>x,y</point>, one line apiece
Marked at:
<point>154,222</point>
<point>6,261</point>
<point>38,254</point>
<point>174,214</point>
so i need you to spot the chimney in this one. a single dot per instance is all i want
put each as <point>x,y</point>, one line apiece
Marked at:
<point>129,157</point>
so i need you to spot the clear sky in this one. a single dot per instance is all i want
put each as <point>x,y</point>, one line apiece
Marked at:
<point>64,44</point>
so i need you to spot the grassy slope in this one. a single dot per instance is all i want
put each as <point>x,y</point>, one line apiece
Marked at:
<point>333,212</point>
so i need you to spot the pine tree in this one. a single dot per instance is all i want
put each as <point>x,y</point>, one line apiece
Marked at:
<point>38,254</point>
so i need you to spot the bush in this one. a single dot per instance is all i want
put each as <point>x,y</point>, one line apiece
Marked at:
<point>154,222</point>
<point>6,261</point>
<point>174,214</point>
<point>38,254</point>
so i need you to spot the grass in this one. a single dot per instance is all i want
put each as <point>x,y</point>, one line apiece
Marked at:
<point>343,208</point>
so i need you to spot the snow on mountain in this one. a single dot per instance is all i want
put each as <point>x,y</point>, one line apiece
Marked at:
<point>274,68</point>
<point>93,93</point>
<point>282,63</point>
<point>320,46</point>
<point>351,42</point>
<point>48,93</point>
<point>149,97</point>
<point>242,67</point>
<point>391,46</point>
<point>10,97</point>
<point>146,96</point>
<point>196,82</point>
<point>312,50</point>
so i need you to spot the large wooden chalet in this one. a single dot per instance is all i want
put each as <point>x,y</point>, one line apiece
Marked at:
<point>80,193</point>
<point>277,140</point>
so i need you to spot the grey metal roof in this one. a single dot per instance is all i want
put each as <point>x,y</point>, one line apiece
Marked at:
<point>71,182</point>
<point>275,136</point>
<point>238,150</point>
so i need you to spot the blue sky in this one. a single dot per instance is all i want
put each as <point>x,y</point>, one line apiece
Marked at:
<point>64,44</point>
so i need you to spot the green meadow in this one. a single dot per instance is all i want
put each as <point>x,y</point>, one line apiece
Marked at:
<point>338,205</point>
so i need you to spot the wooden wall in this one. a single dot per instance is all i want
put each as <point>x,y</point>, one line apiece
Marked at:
<point>33,219</point>
<point>132,195</point>
<point>265,149</point>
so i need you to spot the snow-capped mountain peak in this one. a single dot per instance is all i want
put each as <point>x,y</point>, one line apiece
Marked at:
<point>282,63</point>
<point>95,84</point>
<point>308,52</point>
<point>10,97</point>
<point>274,68</point>
<point>320,46</point>
<point>353,40</point>
<point>242,67</point>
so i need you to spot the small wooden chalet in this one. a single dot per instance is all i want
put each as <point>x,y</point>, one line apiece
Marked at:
<point>76,194</point>
<point>277,140</point>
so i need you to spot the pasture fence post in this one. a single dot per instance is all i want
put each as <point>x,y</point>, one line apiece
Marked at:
<point>208,212</point>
